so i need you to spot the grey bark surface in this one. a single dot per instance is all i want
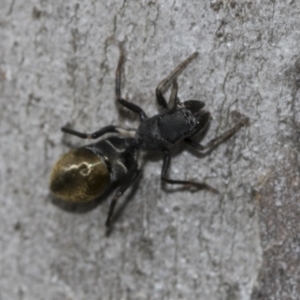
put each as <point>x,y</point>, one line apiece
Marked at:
<point>57,67</point>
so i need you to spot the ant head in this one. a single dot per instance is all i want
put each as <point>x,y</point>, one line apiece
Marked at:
<point>194,106</point>
<point>201,116</point>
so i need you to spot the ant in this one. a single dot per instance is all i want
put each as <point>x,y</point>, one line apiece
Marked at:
<point>85,173</point>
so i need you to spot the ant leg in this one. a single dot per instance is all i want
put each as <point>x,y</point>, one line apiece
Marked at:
<point>132,178</point>
<point>133,107</point>
<point>164,84</point>
<point>102,131</point>
<point>173,97</point>
<point>164,171</point>
<point>219,139</point>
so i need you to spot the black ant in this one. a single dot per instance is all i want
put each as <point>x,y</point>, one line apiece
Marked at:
<point>84,174</point>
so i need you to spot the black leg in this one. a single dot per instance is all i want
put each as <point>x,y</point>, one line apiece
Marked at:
<point>173,97</point>
<point>216,141</point>
<point>102,131</point>
<point>131,179</point>
<point>164,84</point>
<point>133,107</point>
<point>188,184</point>
<point>161,99</point>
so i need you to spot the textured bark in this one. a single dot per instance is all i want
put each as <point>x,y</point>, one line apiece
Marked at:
<point>57,66</point>
<point>278,203</point>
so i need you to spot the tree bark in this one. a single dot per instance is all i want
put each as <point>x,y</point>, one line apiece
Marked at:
<point>57,68</point>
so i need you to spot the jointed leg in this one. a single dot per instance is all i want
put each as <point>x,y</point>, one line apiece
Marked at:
<point>102,131</point>
<point>216,141</point>
<point>164,84</point>
<point>173,97</point>
<point>132,178</point>
<point>164,171</point>
<point>130,106</point>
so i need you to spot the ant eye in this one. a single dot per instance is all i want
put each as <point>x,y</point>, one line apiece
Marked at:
<point>192,122</point>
